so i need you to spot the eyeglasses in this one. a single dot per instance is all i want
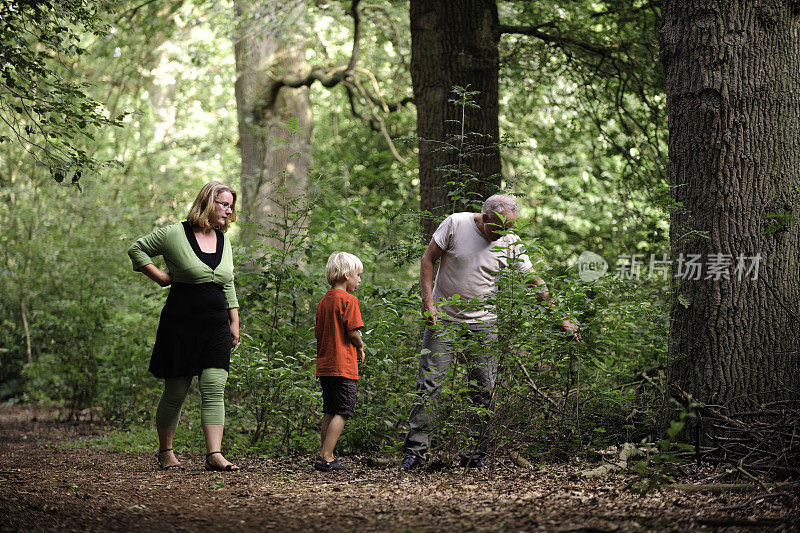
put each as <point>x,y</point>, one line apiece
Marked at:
<point>225,206</point>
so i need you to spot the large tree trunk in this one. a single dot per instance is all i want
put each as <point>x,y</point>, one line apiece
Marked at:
<point>454,42</point>
<point>733,97</point>
<point>274,139</point>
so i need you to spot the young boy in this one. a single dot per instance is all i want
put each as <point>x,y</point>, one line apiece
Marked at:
<point>339,350</point>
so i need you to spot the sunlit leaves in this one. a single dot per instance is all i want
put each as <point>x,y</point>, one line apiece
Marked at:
<point>46,112</point>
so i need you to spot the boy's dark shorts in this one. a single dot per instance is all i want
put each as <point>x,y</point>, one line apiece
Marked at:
<point>338,395</point>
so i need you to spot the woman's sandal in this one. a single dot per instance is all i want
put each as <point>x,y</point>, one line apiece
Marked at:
<point>170,467</point>
<point>230,467</point>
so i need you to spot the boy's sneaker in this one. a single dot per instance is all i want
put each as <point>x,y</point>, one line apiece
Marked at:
<point>324,466</point>
<point>411,462</point>
<point>475,462</point>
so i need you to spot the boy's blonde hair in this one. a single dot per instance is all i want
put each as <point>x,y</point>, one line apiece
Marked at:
<point>341,264</point>
<point>203,206</point>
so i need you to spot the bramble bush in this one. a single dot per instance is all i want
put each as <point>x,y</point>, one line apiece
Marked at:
<point>553,397</point>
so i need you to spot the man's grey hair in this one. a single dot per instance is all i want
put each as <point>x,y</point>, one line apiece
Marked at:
<point>500,203</point>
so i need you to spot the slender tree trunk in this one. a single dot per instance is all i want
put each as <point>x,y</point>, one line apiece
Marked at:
<point>454,42</point>
<point>23,306</point>
<point>274,140</point>
<point>733,97</point>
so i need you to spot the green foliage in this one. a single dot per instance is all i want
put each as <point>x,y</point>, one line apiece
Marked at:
<point>66,369</point>
<point>556,396</point>
<point>661,464</point>
<point>45,111</point>
<point>591,111</point>
<point>467,145</point>
<point>779,221</point>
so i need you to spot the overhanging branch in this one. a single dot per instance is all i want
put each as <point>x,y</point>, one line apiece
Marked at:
<point>346,75</point>
<point>560,39</point>
<point>328,77</point>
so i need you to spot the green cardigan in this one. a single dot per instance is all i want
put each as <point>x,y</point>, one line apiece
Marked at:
<point>182,263</point>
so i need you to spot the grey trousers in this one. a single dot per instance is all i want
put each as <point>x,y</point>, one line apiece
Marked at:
<point>437,355</point>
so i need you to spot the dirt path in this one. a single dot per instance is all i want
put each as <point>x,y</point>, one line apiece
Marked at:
<point>46,487</point>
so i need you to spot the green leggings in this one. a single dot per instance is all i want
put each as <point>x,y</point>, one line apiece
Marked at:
<point>211,383</point>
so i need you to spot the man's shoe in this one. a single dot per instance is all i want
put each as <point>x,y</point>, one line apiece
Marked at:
<point>411,462</point>
<point>324,466</point>
<point>475,462</point>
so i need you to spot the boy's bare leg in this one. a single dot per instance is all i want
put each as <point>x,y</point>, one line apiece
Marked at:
<point>326,420</point>
<point>332,432</point>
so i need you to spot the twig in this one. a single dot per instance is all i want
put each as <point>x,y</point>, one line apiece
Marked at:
<point>726,487</point>
<point>753,499</point>
<point>532,384</point>
<point>751,476</point>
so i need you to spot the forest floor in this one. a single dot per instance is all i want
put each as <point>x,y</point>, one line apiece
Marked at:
<point>49,484</point>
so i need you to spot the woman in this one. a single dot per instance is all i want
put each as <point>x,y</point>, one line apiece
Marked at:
<point>200,321</point>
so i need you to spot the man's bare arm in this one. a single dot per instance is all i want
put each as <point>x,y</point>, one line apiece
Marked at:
<point>432,254</point>
<point>544,295</point>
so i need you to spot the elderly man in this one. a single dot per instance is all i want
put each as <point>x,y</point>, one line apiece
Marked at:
<point>472,252</point>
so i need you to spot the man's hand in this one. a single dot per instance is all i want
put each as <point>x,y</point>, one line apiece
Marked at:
<point>432,254</point>
<point>429,313</point>
<point>568,326</point>
<point>361,354</point>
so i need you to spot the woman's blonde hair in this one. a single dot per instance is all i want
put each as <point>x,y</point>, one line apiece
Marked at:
<point>203,206</point>
<point>341,264</point>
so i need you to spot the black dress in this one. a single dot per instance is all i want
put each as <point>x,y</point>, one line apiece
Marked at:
<point>194,330</point>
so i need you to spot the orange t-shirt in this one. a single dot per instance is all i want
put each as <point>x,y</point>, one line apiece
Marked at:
<point>337,313</point>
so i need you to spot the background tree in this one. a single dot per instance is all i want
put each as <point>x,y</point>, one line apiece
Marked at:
<point>733,94</point>
<point>454,43</point>
<point>275,123</point>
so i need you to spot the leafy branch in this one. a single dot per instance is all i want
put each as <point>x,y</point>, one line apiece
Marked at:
<point>44,113</point>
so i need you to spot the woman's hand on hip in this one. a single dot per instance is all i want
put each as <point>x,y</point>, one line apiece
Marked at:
<point>156,274</point>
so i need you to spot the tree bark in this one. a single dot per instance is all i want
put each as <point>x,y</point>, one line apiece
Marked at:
<point>274,139</point>
<point>454,42</point>
<point>733,97</point>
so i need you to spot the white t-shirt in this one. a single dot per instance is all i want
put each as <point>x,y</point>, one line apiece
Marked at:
<point>470,264</point>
